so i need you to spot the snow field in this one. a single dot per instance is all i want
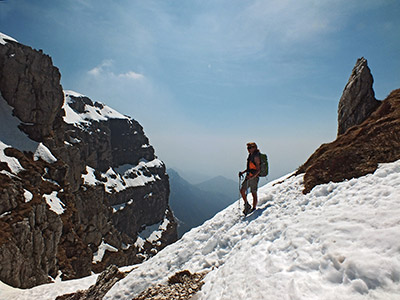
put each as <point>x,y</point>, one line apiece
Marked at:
<point>341,241</point>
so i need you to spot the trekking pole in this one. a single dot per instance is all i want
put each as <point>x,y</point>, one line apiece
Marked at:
<point>240,195</point>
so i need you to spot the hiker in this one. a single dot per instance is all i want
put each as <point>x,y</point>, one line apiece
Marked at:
<point>252,177</point>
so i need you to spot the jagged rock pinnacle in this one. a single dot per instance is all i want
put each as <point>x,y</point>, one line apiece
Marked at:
<point>358,98</point>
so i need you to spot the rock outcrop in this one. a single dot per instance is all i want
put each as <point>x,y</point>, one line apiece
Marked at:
<point>358,98</point>
<point>103,284</point>
<point>182,285</point>
<point>360,149</point>
<point>368,134</point>
<point>31,85</point>
<point>86,193</point>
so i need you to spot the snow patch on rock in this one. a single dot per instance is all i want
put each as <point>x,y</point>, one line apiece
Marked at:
<point>114,181</point>
<point>28,196</point>
<point>44,153</point>
<point>99,254</point>
<point>12,162</point>
<point>4,38</point>
<point>100,112</point>
<point>54,202</point>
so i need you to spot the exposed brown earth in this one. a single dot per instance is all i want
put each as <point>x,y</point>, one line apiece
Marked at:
<point>359,150</point>
<point>182,285</point>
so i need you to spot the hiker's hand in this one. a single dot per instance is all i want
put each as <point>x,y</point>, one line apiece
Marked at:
<point>240,174</point>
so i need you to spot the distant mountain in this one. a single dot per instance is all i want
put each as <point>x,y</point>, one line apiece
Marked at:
<point>193,205</point>
<point>193,177</point>
<point>221,185</point>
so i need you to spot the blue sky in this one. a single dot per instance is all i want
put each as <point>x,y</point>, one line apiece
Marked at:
<point>205,77</point>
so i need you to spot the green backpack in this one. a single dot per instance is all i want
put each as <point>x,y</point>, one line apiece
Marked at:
<point>264,165</point>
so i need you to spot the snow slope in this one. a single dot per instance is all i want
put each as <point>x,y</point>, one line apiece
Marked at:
<point>46,291</point>
<point>341,241</point>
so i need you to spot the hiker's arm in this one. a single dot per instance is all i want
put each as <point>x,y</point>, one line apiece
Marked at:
<point>241,173</point>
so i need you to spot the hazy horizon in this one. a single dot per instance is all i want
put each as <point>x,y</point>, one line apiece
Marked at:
<point>205,77</point>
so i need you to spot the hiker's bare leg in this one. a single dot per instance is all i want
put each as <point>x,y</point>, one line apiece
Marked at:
<point>255,200</point>
<point>244,196</point>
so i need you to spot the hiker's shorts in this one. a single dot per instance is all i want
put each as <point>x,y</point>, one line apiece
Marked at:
<point>251,183</point>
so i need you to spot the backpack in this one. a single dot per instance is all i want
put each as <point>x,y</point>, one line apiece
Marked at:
<point>264,165</point>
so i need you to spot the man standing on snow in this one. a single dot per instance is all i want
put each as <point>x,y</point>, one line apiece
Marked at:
<point>251,180</point>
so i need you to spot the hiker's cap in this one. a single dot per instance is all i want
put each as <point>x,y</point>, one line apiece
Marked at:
<point>251,144</point>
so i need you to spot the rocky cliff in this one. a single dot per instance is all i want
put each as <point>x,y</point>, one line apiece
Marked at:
<point>372,137</point>
<point>80,185</point>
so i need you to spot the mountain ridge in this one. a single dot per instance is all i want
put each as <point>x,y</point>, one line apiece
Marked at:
<point>220,184</point>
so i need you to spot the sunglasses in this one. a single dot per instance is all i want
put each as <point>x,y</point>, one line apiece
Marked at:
<point>250,147</point>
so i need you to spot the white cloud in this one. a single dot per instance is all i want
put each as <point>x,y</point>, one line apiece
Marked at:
<point>100,69</point>
<point>95,71</point>
<point>105,69</point>
<point>131,75</point>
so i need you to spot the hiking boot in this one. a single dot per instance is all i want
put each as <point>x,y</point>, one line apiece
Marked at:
<point>247,208</point>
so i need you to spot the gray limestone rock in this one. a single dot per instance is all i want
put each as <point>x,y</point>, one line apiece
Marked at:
<point>358,98</point>
<point>31,85</point>
<point>28,258</point>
